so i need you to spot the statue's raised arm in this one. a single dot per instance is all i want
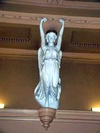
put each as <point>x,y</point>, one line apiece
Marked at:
<point>42,34</point>
<point>59,40</point>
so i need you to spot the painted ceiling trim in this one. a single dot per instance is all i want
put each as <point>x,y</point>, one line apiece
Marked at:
<point>34,19</point>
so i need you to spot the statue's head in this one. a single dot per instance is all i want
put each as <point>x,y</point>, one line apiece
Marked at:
<point>51,36</point>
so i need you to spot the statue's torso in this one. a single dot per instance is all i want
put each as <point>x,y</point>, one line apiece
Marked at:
<point>51,53</point>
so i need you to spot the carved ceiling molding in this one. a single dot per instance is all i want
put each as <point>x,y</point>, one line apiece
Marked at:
<point>67,56</point>
<point>9,39</point>
<point>16,39</point>
<point>61,116</point>
<point>85,45</point>
<point>58,3</point>
<point>81,5</point>
<point>53,1</point>
<point>34,19</point>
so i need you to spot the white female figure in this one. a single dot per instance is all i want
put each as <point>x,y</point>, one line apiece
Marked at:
<point>47,92</point>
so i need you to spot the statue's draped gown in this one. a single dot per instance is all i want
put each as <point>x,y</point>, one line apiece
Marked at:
<point>47,92</point>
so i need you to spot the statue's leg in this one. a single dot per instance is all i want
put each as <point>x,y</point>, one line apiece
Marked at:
<point>47,92</point>
<point>47,97</point>
<point>55,82</point>
<point>55,79</point>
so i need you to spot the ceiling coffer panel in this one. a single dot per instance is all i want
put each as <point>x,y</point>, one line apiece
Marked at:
<point>14,32</point>
<point>86,36</point>
<point>87,41</point>
<point>15,37</point>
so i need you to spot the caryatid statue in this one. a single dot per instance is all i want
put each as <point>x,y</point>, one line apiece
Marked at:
<point>47,92</point>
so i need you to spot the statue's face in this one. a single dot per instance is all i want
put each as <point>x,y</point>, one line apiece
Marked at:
<point>51,37</point>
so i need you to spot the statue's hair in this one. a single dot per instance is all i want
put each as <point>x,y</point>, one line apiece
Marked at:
<point>51,30</point>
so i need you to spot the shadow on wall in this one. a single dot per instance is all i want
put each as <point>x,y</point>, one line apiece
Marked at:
<point>1,131</point>
<point>0,3</point>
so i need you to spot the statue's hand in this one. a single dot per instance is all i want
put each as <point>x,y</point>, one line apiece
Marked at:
<point>61,21</point>
<point>43,19</point>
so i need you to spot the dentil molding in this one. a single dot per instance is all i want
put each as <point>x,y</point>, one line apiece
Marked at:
<point>34,19</point>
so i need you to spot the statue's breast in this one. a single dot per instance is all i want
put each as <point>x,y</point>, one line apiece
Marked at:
<point>51,53</point>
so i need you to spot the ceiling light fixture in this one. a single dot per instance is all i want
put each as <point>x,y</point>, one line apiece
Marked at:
<point>96,109</point>
<point>2,105</point>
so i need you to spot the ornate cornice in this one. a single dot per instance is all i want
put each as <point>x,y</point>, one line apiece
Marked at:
<point>34,19</point>
<point>58,3</point>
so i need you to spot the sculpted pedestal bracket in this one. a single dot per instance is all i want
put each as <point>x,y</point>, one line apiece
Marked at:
<point>46,116</point>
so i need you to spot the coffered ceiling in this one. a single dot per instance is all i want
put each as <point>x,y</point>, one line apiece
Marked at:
<point>19,24</point>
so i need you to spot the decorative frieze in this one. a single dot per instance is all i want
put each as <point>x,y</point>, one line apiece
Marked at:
<point>34,19</point>
<point>53,1</point>
<point>84,44</point>
<point>15,34</point>
<point>9,39</point>
<point>68,19</point>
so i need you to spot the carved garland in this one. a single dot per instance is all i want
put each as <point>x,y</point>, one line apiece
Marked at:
<point>68,19</point>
